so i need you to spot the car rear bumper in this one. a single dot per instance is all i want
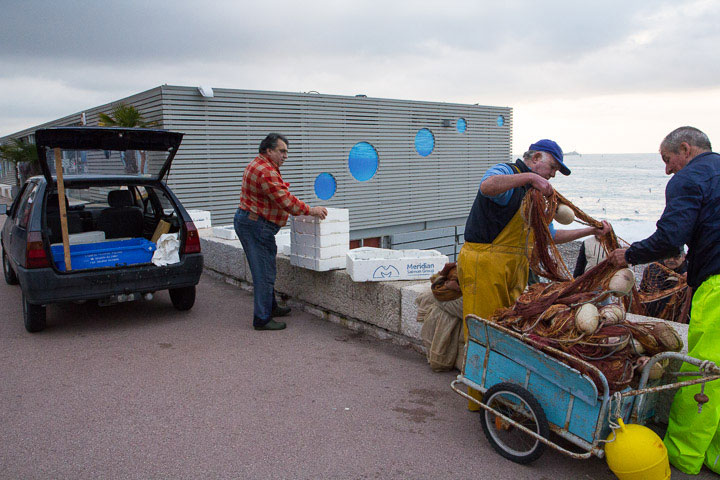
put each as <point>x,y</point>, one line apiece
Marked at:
<point>46,285</point>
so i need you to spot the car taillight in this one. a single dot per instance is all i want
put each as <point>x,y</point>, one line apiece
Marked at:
<point>192,239</point>
<point>35,255</point>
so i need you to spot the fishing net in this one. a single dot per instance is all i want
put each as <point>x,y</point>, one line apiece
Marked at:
<point>664,292</point>
<point>585,316</point>
<point>445,285</point>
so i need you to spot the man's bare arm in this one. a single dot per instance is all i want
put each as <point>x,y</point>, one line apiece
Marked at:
<point>498,184</point>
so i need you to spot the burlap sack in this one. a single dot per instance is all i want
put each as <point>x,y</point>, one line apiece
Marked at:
<point>441,330</point>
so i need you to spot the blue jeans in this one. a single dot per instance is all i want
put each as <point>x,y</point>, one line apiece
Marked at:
<point>258,240</point>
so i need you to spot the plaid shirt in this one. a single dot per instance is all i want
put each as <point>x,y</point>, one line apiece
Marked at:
<point>264,192</point>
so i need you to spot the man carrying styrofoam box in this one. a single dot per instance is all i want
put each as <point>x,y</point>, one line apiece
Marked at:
<point>368,264</point>
<point>320,244</point>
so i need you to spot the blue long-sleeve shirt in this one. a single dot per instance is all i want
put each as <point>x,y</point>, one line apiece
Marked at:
<point>691,217</point>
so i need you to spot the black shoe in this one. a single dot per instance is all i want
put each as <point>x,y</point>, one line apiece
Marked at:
<point>279,311</point>
<point>271,325</point>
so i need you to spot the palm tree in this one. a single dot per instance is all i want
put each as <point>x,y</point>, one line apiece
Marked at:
<point>126,116</point>
<point>21,154</point>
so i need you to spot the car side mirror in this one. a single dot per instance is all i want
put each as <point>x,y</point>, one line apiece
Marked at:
<point>3,209</point>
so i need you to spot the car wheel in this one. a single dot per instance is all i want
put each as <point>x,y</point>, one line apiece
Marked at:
<point>10,277</point>
<point>183,298</point>
<point>34,316</point>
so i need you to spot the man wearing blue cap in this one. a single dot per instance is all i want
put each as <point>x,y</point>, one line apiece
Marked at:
<point>493,263</point>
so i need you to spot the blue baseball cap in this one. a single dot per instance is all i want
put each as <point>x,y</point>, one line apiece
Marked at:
<point>553,149</point>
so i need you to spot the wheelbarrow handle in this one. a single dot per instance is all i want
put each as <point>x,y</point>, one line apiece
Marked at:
<point>708,370</point>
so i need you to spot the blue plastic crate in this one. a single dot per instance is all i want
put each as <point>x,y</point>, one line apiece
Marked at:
<point>105,254</point>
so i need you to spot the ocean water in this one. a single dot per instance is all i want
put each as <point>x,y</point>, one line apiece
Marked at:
<point>628,190</point>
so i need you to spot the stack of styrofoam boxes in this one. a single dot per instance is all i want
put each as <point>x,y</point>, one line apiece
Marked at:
<point>201,218</point>
<point>282,238</point>
<point>320,245</point>
<point>369,264</point>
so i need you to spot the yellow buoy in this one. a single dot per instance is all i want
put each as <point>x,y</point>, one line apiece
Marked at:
<point>637,453</point>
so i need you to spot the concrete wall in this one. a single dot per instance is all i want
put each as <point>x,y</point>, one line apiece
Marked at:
<point>386,309</point>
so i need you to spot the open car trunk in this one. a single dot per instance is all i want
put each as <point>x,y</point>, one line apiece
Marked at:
<point>115,203</point>
<point>111,225</point>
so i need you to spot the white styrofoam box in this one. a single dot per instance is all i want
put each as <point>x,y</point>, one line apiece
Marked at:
<point>86,237</point>
<point>320,228</point>
<point>228,233</point>
<point>368,264</point>
<point>333,215</point>
<point>322,240</point>
<point>225,231</point>
<point>318,264</point>
<point>282,240</point>
<point>319,252</point>
<point>201,218</point>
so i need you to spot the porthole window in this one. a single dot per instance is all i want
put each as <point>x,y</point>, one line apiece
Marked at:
<point>500,121</point>
<point>325,186</point>
<point>424,142</point>
<point>461,125</point>
<point>363,161</point>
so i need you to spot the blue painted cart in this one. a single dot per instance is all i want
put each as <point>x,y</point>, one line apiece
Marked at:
<point>528,393</point>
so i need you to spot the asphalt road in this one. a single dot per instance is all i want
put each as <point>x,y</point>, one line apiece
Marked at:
<point>140,390</point>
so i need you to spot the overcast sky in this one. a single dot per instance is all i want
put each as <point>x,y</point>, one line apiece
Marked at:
<point>611,76</point>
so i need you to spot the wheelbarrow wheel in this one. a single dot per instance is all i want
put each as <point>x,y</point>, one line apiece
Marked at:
<point>516,403</point>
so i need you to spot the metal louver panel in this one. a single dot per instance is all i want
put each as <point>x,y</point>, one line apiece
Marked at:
<point>222,135</point>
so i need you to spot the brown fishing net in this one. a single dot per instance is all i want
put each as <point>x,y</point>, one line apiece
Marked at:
<point>547,313</point>
<point>445,285</point>
<point>664,293</point>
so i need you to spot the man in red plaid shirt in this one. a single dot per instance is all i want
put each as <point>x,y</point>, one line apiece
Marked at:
<point>265,204</point>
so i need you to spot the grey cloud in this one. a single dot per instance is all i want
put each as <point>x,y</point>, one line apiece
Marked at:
<point>134,31</point>
<point>494,52</point>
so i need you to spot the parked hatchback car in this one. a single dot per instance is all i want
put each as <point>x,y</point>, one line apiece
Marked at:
<point>89,233</point>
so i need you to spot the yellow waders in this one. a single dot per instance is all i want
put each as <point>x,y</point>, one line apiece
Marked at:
<point>493,275</point>
<point>693,438</point>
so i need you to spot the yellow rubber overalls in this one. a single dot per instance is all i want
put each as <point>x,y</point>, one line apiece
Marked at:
<point>493,275</point>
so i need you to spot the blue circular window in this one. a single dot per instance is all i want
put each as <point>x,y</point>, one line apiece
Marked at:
<point>363,161</point>
<point>461,125</point>
<point>500,121</point>
<point>325,186</point>
<point>424,142</point>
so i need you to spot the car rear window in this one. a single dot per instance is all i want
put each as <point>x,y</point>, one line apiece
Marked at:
<point>91,163</point>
